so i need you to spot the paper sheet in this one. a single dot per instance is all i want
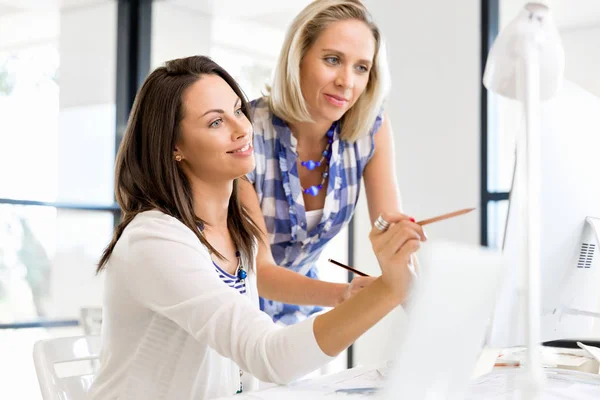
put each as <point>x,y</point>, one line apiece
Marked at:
<point>560,385</point>
<point>593,351</point>
<point>356,383</point>
<point>485,362</point>
<point>551,357</point>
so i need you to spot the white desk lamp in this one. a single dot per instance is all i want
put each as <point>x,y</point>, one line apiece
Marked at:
<point>526,63</point>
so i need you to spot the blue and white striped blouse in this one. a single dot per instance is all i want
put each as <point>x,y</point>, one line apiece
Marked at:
<point>277,184</point>
<point>231,280</point>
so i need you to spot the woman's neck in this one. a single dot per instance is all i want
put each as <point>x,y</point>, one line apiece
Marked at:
<point>310,132</point>
<point>211,203</point>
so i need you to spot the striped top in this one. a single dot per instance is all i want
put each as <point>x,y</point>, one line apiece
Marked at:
<point>279,190</point>
<point>232,281</point>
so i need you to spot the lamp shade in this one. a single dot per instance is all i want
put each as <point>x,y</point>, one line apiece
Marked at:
<point>534,24</point>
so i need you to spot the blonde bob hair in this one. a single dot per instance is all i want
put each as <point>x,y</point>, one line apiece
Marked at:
<point>285,94</point>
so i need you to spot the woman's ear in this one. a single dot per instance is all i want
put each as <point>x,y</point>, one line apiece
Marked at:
<point>177,155</point>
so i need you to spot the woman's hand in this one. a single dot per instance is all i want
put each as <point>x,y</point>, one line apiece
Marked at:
<point>394,248</point>
<point>357,284</point>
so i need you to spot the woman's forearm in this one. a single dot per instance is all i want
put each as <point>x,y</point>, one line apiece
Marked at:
<point>339,328</point>
<point>280,284</point>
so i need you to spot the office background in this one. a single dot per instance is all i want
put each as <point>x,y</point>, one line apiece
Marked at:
<point>69,70</point>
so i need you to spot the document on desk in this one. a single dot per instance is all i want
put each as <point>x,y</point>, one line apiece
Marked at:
<point>560,385</point>
<point>355,383</point>
<point>358,377</point>
<point>593,351</point>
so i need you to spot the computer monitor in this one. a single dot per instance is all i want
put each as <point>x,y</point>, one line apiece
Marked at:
<point>570,216</point>
<point>453,300</point>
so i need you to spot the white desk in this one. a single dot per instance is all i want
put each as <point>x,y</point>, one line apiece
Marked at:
<point>357,380</point>
<point>561,385</point>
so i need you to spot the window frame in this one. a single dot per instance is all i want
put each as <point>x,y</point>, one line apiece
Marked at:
<point>490,19</point>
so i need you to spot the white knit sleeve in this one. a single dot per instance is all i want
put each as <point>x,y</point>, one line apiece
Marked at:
<point>171,273</point>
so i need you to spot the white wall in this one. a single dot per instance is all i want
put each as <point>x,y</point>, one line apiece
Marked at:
<point>181,29</point>
<point>434,108</point>
<point>582,58</point>
<point>178,31</point>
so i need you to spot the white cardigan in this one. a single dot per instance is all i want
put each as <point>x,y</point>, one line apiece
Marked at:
<point>173,330</point>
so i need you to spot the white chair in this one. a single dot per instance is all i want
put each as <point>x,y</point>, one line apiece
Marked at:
<point>69,351</point>
<point>91,320</point>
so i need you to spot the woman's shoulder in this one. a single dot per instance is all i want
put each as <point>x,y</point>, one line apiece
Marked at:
<point>260,103</point>
<point>155,219</point>
<point>153,241</point>
<point>374,128</point>
<point>155,224</point>
<point>262,117</point>
<point>364,145</point>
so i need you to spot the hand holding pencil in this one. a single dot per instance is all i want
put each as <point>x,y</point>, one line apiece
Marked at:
<point>383,225</point>
<point>395,237</point>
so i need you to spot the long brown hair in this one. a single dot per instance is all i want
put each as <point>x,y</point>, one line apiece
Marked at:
<point>147,177</point>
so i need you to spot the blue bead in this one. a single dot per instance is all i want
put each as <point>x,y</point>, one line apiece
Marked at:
<point>330,141</point>
<point>310,164</point>
<point>313,190</point>
<point>242,274</point>
<point>303,163</point>
<point>325,153</point>
<point>237,253</point>
<point>320,186</point>
<point>330,133</point>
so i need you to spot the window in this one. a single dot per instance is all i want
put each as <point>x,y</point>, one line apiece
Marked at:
<point>57,149</point>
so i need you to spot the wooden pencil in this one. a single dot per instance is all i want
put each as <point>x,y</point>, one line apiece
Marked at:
<point>424,222</point>
<point>445,216</point>
<point>339,264</point>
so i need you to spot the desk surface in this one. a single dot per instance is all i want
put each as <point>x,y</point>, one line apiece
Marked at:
<point>357,382</point>
<point>354,384</point>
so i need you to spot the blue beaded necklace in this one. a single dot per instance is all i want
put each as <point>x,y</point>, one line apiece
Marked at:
<point>311,164</point>
<point>241,273</point>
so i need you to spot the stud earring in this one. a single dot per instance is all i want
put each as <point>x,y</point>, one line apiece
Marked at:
<point>178,157</point>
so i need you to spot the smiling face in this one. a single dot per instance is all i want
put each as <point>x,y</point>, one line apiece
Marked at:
<point>215,141</point>
<point>335,70</point>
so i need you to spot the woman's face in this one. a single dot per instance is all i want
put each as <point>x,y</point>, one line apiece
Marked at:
<point>216,137</point>
<point>335,70</point>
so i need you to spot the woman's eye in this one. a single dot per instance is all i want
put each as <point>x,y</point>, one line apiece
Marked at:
<point>332,60</point>
<point>238,112</point>
<point>216,124</point>
<point>362,68</point>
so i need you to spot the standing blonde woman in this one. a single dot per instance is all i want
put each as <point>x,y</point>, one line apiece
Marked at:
<point>318,133</point>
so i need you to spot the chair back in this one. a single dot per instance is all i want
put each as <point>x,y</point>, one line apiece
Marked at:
<point>59,363</point>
